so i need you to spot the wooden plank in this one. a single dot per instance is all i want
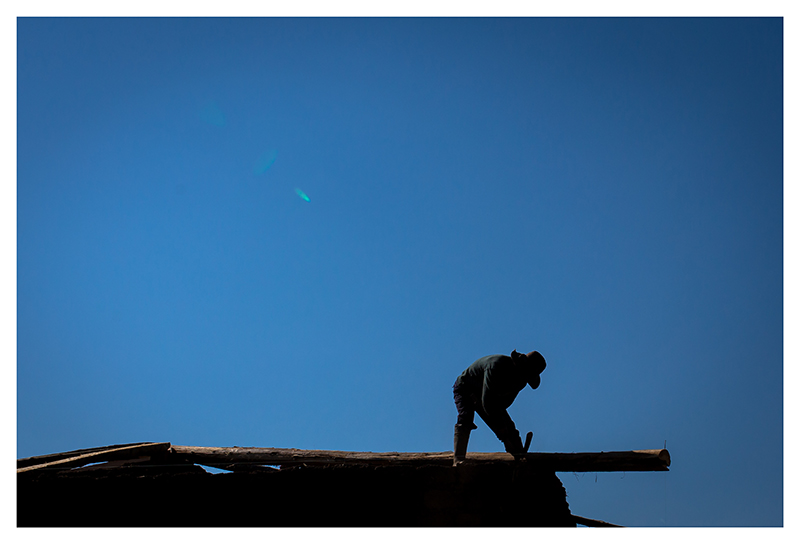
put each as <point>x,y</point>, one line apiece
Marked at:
<point>625,461</point>
<point>103,454</point>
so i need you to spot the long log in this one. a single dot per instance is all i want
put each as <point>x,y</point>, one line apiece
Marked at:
<point>619,461</point>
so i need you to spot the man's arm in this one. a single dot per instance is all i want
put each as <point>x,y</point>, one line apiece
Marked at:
<point>496,417</point>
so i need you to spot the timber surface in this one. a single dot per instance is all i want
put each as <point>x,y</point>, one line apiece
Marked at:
<point>623,461</point>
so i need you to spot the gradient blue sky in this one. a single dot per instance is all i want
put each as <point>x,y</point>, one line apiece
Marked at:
<point>298,232</point>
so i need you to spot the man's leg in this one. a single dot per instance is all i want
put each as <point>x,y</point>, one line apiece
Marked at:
<point>464,426</point>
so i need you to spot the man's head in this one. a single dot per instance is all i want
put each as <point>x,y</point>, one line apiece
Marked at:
<point>534,364</point>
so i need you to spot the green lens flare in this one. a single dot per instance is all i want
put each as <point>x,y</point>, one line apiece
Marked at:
<point>302,195</point>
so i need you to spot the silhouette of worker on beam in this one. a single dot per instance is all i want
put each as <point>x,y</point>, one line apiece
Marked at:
<point>489,386</point>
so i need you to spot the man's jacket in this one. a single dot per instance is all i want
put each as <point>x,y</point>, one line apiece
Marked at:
<point>493,382</point>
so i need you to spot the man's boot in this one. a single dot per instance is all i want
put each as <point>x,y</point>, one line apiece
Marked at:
<point>460,440</point>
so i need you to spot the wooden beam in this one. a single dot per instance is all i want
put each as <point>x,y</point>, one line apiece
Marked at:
<point>609,461</point>
<point>101,454</point>
<point>624,461</point>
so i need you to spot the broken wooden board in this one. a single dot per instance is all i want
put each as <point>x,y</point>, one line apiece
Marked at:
<point>95,455</point>
<point>42,459</point>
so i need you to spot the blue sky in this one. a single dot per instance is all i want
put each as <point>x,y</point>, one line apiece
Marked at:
<point>298,232</point>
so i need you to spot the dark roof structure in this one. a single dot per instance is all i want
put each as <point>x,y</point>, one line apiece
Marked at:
<point>160,485</point>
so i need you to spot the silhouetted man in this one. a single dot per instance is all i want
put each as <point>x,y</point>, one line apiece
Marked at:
<point>488,387</point>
